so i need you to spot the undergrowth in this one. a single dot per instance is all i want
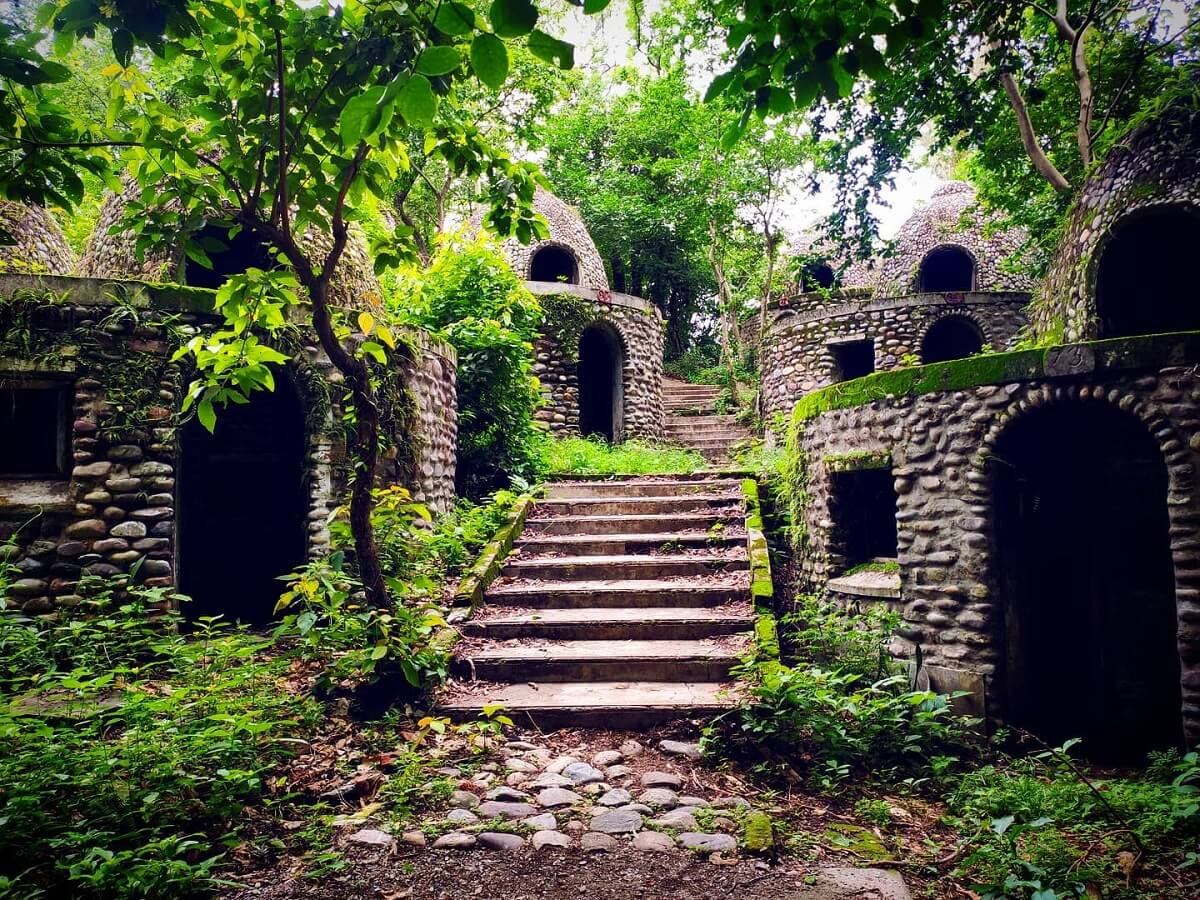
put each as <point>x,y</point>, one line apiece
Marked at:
<point>592,456</point>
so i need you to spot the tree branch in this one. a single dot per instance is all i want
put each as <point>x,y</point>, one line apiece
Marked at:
<point>1029,140</point>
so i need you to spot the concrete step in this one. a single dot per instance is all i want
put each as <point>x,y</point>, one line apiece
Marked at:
<point>604,660</point>
<point>683,592</point>
<point>698,421</point>
<point>616,506</point>
<point>712,443</point>
<point>596,624</point>
<point>606,544</point>
<point>614,704</point>
<point>706,434</point>
<point>573,490</point>
<point>637,523</point>
<point>615,568</point>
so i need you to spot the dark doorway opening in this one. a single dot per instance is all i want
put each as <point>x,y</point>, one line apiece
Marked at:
<point>229,256</point>
<point>816,276</point>
<point>35,429</point>
<point>554,264</point>
<point>1087,583</point>
<point>863,510</point>
<point>243,506</point>
<point>852,359</point>
<point>946,270</point>
<point>1146,281</point>
<point>952,337</point>
<point>601,395</point>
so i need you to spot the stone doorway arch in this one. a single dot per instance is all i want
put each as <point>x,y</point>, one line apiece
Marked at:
<point>601,382</point>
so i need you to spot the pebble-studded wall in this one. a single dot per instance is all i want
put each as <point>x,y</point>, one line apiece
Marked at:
<point>1157,169</point>
<point>567,232</point>
<point>31,243</point>
<point>639,328</point>
<point>799,354</point>
<point>114,504</point>
<point>942,452</point>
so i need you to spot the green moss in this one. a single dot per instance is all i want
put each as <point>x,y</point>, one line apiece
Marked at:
<point>758,835</point>
<point>566,316</point>
<point>858,460</point>
<point>888,568</point>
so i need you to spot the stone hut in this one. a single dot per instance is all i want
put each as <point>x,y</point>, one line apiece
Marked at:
<point>108,477</point>
<point>1033,515</point>
<point>31,243</point>
<point>600,354</point>
<point>943,294</point>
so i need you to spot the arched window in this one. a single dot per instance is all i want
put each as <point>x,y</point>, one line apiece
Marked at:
<point>554,263</point>
<point>1086,582</point>
<point>601,386</point>
<point>229,256</point>
<point>949,269</point>
<point>1146,279</point>
<point>951,337</point>
<point>816,276</point>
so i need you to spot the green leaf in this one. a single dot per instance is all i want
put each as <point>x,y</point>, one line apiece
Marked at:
<point>454,19</point>
<point>416,102</point>
<point>719,85</point>
<point>591,7</point>
<point>489,59</point>
<point>513,18</point>
<point>122,45</point>
<point>551,49</point>
<point>439,61</point>
<point>207,415</point>
<point>355,121</point>
<point>1002,825</point>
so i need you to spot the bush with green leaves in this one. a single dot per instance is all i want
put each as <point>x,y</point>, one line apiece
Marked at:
<point>126,749</point>
<point>594,456</point>
<point>471,295</point>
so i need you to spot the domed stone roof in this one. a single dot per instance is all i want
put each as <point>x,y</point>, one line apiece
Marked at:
<point>31,243</point>
<point>858,274</point>
<point>1150,183</point>
<point>114,255</point>
<point>569,254</point>
<point>936,236</point>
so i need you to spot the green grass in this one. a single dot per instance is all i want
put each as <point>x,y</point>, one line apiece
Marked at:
<point>589,456</point>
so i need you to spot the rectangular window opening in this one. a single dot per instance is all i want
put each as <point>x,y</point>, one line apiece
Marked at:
<point>853,359</point>
<point>35,429</point>
<point>863,507</point>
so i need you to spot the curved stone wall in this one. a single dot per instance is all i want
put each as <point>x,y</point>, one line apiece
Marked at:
<point>569,311</point>
<point>941,444</point>
<point>568,232</point>
<point>797,357</point>
<point>951,220</point>
<point>38,246</point>
<point>1157,167</point>
<point>114,255</point>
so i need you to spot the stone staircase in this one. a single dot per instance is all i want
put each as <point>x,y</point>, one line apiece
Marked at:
<point>692,420</point>
<point>624,603</point>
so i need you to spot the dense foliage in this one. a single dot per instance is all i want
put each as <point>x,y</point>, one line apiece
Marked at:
<point>593,456</point>
<point>471,295</point>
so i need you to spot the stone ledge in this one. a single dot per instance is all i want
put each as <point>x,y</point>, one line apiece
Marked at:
<point>954,299</point>
<point>607,298</point>
<point>868,583</point>
<point>28,496</point>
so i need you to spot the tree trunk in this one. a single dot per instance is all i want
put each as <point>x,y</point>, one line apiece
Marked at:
<point>618,271</point>
<point>729,335</point>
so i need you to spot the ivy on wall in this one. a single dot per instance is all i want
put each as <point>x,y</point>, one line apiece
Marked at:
<point>566,317</point>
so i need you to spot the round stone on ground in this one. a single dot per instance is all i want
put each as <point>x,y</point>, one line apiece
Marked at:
<point>660,797</point>
<point>637,808</point>
<point>607,758</point>
<point>498,840</point>
<point>630,749</point>
<point>583,773</point>
<point>550,780</point>
<point>455,840</point>
<point>550,839</point>
<point>556,766</point>
<point>707,843</point>
<point>516,779</point>
<point>617,772</point>
<point>617,822</point>
<point>519,765</point>
<point>520,745</point>
<point>653,842</point>
<point>462,817</point>
<point>544,822</point>
<point>555,797</point>
<point>688,800</point>
<point>678,818</point>
<point>680,748</point>
<point>507,795</point>
<point>372,837</point>
<point>731,803</point>
<point>494,808</point>
<point>662,779</point>
<point>464,800</point>
<point>592,842</point>
<point>414,838</point>
<point>616,797</point>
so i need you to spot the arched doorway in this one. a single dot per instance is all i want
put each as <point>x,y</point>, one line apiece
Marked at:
<point>1145,281</point>
<point>951,337</point>
<point>554,263</point>
<point>1086,582</point>
<point>817,276</point>
<point>946,270</point>
<point>243,506</point>
<point>229,256</point>
<point>601,392</point>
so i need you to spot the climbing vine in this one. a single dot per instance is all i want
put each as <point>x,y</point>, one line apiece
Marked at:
<point>566,316</point>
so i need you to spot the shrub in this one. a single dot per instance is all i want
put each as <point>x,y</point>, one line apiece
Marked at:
<point>593,456</point>
<point>473,298</point>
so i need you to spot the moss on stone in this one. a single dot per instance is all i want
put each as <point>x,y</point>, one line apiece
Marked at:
<point>857,460</point>
<point>758,834</point>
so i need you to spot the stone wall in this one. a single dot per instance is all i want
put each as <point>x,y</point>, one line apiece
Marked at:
<point>116,506</point>
<point>31,243</point>
<point>940,444</point>
<point>640,326</point>
<point>1157,167</point>
<point>796,357</point>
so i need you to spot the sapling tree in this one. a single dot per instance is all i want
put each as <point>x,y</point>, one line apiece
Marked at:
<point>283,116</point>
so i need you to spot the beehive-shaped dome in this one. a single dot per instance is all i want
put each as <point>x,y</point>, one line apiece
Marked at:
<point>31,243</point>
<point>1126,262</point>
<point>817,266</point>
<point>113,254</point>
<point>950,246</point>
<point>568,255</point>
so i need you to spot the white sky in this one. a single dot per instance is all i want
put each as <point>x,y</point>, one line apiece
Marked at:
<point>604,42</point>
